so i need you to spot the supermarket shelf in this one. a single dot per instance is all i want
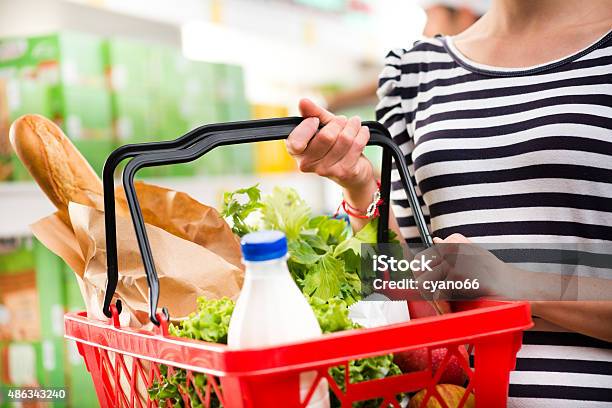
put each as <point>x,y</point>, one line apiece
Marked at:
<point>23,203</point>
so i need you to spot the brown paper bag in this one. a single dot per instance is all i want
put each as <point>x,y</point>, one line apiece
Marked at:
<point>194,250</point>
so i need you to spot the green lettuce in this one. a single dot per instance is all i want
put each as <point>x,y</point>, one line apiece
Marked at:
<point>210,322</point>
<point>324,255</point>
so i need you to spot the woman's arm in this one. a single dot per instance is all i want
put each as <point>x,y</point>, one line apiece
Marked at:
<point>580,303</point>
<point>593,318</point>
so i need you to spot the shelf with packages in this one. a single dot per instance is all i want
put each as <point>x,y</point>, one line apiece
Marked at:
<point>106,91</point>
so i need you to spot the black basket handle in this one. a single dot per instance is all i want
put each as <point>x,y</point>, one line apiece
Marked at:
<point>198,142</point>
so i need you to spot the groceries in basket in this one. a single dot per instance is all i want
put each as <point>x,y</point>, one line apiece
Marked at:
<point>318,244</point>
<point>198,262</point>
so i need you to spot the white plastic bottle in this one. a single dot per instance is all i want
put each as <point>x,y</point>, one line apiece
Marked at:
<point>271,310</point>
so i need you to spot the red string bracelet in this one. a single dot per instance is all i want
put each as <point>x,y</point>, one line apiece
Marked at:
<point>372,211</point>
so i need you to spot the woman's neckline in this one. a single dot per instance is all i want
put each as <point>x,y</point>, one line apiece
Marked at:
<point>492,70</point>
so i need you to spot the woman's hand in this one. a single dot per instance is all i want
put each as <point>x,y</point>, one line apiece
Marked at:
<point>590,317</point>
<point>335,151</point>
<point>457,260</point>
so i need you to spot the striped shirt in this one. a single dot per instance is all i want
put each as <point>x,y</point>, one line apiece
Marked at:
<point>505,155</point>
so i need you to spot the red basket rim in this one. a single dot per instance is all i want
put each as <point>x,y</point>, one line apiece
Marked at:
<point>485,319</point>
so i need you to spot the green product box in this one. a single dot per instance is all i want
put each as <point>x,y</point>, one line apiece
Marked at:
<point>33,364</point>
<point>50,281</point>
<point>172,123</point>
<point>127,64</point>
<point>170,73</point>
<point>242,158</point>
<point>165,68</point>
<point>216,162</point>
<point>32,293</point>
<point>196,112</point>
<point>199,82</point>
<point>132,114</point>
<point>182,170</point>
<point>32,298</point>
<point>81,391</point>
<point>25,96</point>
<point>83,112</point>
<point>69,58</point>
<point>230,93</point>
<point>95,151</point>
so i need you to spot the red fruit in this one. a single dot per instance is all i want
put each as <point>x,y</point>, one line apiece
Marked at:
<point>418,360</point>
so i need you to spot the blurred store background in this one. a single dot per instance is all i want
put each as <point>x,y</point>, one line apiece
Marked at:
<point>111,72</point>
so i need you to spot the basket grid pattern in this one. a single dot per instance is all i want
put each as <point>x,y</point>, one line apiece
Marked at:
<point>125,380</point>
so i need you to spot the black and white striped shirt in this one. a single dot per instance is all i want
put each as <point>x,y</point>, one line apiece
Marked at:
<point>509,156</point>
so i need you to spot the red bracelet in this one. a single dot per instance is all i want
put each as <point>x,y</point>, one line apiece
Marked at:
<point>372,211</point>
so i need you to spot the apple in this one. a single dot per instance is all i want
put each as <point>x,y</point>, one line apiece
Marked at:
<point>418,360</point>
<point>450,393</point>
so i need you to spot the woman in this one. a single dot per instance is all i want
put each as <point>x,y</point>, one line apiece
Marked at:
<point>507,128</point>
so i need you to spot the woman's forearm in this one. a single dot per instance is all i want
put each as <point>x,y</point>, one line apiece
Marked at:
<point>593,318</point>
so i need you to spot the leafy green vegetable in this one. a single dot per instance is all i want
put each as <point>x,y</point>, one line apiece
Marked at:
<point>325,277</point>
<point>284,210</point>
<point>323,254</point>
<point>236,212</point>
<point>209,323</point>
<point>332,317</point>
<point>173,381</point>
<point>367,235</point>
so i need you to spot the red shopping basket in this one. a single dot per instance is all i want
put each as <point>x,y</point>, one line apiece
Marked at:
<point>125,363</point>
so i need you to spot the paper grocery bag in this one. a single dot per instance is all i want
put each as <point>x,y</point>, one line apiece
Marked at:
<point>194,250</point>
<point>181,215</point>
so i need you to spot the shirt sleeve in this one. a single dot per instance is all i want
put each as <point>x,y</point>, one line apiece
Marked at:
<point>395,111</point>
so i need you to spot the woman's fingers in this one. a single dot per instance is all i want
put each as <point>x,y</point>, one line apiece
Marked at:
<point>300,136</point>
<point>310,109</point>
<point>360,142</point>
<point>334,151</point>
<point>342,146</point>
<point>322,143</point>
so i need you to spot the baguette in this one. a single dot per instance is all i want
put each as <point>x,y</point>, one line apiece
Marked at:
<point>57,166</point>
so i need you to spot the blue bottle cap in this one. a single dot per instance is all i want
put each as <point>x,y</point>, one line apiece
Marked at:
<point>263,245</point>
